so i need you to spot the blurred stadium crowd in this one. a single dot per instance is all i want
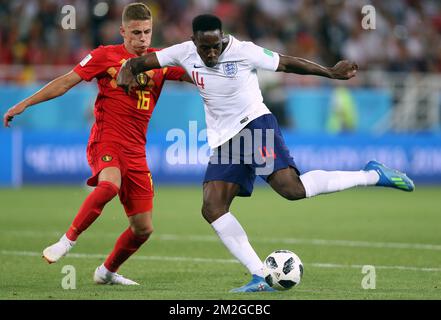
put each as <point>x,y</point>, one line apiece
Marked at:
<point>396,96</point>
<point>407,36</point>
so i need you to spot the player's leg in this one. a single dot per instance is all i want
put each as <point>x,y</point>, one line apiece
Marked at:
<point>292,186</point>
<point>217,198</point>
<point>221,184</point>
<point>287,183</point>
<point>137,197</point>
<point>109,182</point>
<point>130,240</point>
<point>286,180</point>
<point>128,243</point>
<point>107,179</point>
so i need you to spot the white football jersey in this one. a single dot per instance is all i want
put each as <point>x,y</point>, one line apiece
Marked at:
<point>230,90</point>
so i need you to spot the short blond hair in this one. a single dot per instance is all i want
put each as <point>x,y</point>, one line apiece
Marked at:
<point>136,11</point>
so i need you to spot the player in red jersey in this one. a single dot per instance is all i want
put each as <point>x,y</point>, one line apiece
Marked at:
<point>116,147</point>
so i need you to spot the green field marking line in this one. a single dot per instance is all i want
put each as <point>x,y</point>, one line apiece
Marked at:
<point>211,260</point>
<point>208,238</point>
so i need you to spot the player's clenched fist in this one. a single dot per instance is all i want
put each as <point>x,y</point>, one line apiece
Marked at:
<point>129,78</point>
<point>125,76</point>
<point>9,115</point>
<point>344,70</point>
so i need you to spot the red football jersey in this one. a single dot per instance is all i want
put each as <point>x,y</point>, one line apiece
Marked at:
<point>120,117</point>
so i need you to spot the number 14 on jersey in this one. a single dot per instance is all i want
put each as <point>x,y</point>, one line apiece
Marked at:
<point>198,81</point>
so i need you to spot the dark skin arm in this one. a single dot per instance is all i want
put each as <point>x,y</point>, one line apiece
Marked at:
<point>133,67</point>
<point>343,70</point>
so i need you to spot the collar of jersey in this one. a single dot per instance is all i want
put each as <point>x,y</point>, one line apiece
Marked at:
<point>230,41</point>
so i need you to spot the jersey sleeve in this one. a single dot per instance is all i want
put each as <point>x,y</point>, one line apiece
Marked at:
<point>171,56</point>
<point>94,64</point>
<point>259,57</point>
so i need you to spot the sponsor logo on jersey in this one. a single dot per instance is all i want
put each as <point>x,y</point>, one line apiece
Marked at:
<point>107,158</point>
<point>230,69</point>
<point>85,60</point>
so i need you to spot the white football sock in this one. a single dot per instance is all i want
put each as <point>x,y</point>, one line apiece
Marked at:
<point>66,241</point>
<point>235,239</point>
<point>318,181</point>
<point>102,269</point>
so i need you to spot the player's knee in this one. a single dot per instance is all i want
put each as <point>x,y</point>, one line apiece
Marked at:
<point>107,191</point>
<point>212,210</point>
<point>143,231</point>
<point>292,192</point>
<point>207,211</point>
<point>291,195</point>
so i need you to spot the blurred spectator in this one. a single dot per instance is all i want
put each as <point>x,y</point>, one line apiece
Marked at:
<point>343,116</point>
<point>407,37</point>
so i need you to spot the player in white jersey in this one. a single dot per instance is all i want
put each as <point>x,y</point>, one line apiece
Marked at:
<point>244,135</point>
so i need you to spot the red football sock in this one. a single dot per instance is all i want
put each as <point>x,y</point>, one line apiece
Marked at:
<point>91,208</point>
<point>125,246</point>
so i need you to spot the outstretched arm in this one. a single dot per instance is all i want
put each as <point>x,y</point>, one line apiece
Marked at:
<point>343,70</point>
<point>53,89</point>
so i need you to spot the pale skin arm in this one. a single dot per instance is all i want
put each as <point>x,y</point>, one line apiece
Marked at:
<point>53,89</point>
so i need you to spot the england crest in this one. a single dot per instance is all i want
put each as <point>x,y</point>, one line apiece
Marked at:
<point>230,69</point>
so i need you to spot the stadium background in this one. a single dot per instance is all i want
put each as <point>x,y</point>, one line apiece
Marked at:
<point>390,111</point>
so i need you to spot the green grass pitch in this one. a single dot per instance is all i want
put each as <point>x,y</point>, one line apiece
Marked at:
<point>335,235</point>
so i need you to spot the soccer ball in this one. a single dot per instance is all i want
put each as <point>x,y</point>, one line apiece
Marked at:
<point>283,270</point>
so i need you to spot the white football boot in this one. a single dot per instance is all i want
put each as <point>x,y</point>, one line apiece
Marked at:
<point>104,276</point>
<point>58,250</point>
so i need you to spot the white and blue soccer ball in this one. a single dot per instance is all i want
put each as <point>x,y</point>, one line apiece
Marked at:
<point>283,270</point>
